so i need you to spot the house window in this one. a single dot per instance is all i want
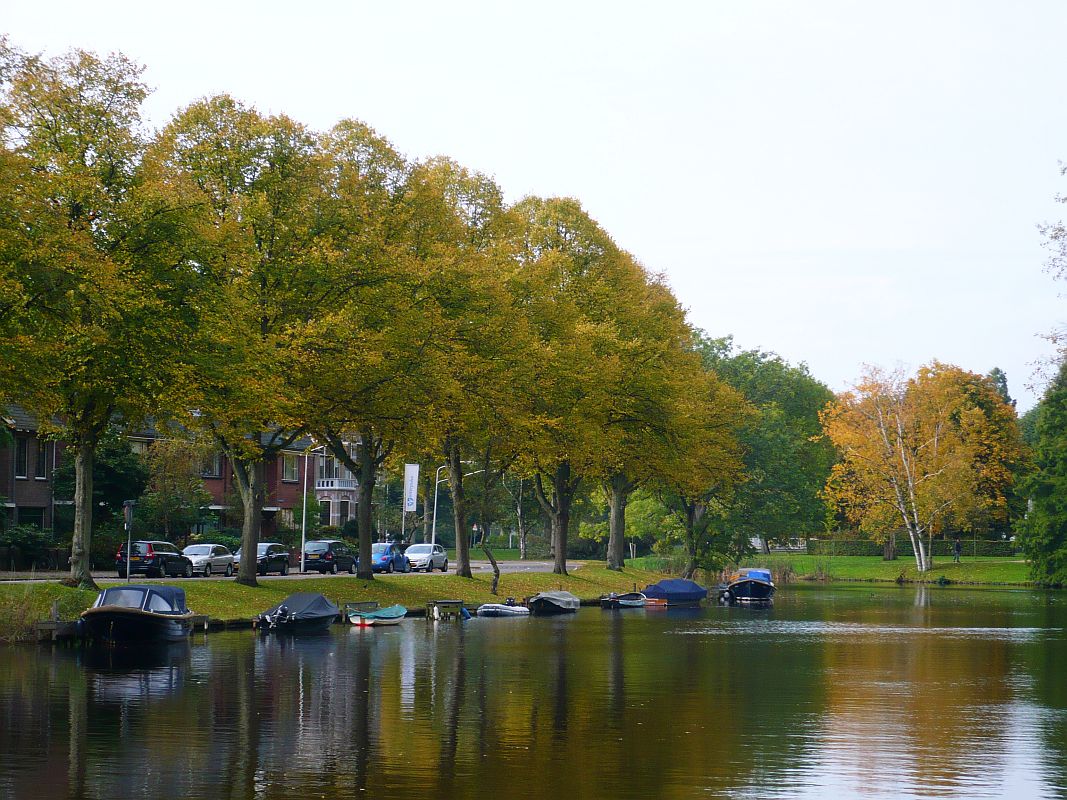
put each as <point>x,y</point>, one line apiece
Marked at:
<point>31,516</point>
<point>22,454</point>
<point>40,468</point>
<point>328,467</point>
<point>290,467</point>
<point>342,512</point>
<point>212,466</point>
<point>324,512</point>
<point>140,446</point>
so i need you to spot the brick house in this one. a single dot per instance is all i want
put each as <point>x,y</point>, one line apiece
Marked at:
<point>26,485</point>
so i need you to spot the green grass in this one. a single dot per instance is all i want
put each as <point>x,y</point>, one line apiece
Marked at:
<point>477,554</point>
<point>22,604</point>
<point>987,570</point>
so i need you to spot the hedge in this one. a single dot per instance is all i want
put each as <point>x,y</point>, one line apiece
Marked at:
<point>942,547</point>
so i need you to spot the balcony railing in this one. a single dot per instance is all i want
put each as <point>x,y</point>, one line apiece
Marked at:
<point>336,483</point>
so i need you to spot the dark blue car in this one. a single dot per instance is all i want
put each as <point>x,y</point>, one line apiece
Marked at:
<point>387,557</point>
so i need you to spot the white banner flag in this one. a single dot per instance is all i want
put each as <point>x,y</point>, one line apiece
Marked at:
<point>411,486</point>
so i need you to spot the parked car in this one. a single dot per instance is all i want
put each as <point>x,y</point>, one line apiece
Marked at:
<point>328,555</point>
<point>210,558</point>
<point>427,557</point>
<point>158,559</point>
<point>387,557</point>
<point>270,557</point>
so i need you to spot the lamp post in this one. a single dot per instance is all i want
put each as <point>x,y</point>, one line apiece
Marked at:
<point>127,519</point>
<point>304,504</point>
<point>437,482</point>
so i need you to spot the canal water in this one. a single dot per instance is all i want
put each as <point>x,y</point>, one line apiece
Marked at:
<point>835,692</point>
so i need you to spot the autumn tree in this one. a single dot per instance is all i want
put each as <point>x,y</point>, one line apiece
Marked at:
<point>175,495</point>
<point>920,454</point>
<point>265,240</point>
<point>566,289</point>
<point>699,482</point>
<point>100,293</point>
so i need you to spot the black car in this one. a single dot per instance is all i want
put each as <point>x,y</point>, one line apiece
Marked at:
<point>329,555</point>
<point>270,557</point>
<point>158,559</point>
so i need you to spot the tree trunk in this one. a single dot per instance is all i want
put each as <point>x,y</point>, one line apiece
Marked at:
<point>694,514</point>
<point>80,574</point>
<point>889,548</point>
<point>619,491</point>
<point>459,508</point>
<point>765,545</point>
<point>558,511</point>
<point>366,457</point>
<point>250,486</point>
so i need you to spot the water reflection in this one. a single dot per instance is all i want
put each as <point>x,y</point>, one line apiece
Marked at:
<point>830,692</point>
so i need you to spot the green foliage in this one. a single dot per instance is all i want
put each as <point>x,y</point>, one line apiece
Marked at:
<point>31,541</point>
<point>119,474</point>
<point>786,463</point>
<point>1043,534</point>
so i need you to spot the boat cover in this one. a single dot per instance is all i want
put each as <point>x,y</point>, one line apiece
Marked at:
<point>305,605</point>
<point>559,598</point>
<point>676,590</point>
<point>122,595</point>
<point>755,574</point>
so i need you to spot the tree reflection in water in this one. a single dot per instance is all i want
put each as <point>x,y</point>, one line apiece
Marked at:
<point>833,691</point>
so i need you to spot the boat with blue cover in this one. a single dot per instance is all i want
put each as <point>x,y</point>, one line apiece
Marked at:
<point>747,586</point>
<point>676,592</point>
<point>137,613</point>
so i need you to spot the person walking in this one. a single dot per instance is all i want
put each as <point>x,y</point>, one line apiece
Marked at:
<point>957,549</point>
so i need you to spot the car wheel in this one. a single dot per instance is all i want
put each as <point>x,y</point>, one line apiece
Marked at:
<point>390,567</point>
<point>352,568</point>
<point>121,573</point>
<point>444,567</point>
<point>285,568</point>
<point>229,570</point>
<point>429,566</point>
<point>333,568</point>
<point>207,570</point>
<point>189,570</point>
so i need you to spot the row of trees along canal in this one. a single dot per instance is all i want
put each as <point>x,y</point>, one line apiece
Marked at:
<point>255,282</point>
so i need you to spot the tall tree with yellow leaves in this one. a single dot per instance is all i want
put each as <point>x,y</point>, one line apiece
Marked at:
<point>922,453</point>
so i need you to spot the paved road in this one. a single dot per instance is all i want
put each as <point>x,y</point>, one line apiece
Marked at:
<point>476,567</point>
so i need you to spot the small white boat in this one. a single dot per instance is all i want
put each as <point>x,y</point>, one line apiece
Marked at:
<point>368,615</point>
<point>508,609</point>
<point>628,600</point>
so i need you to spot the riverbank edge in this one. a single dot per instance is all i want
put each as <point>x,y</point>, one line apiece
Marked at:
<point>227,605</point>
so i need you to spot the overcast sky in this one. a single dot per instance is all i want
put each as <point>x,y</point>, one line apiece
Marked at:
<point>839,182</point>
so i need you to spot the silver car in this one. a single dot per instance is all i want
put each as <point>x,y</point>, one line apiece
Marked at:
<point>427,557</point>
<point>209,559</point>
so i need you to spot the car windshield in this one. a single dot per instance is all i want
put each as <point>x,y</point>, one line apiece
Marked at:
<point>261,550</point>
<point>419,549</point>
<point>379,548</point>
<point>197,550</point>
<point>317,547</point>
<point>123,597</point>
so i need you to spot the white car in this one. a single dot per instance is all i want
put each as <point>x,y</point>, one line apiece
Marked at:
<point>209,559</point>
<point>427,557</point>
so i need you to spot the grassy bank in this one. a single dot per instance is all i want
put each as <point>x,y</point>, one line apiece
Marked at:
<point>22,604</point>
<point>981,570</point>
<point>801,566</point>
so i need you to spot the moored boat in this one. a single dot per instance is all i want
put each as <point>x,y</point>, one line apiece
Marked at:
<point>545,603</point>
<point>506,609</point>
<point>368,615</point>
<point>138,613</point>
<point>299,613</point>
<point>747,586</point>
<point>676,592</point>
<point>626,600</point>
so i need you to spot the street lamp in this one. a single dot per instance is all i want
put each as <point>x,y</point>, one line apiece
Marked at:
<point>438,482</point>
<point>304,504</point>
